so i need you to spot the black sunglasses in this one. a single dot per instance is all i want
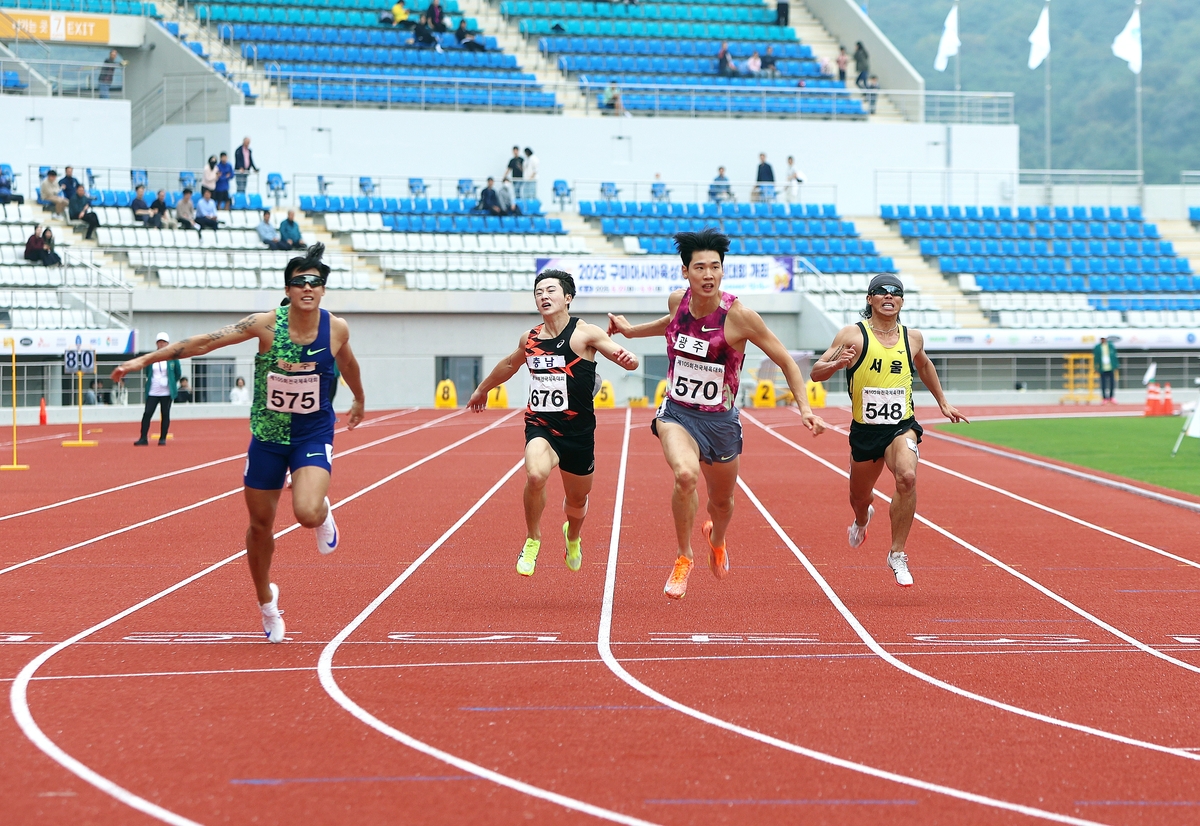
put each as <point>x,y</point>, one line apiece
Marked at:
<point>888,289</point>
<point>306,281</point>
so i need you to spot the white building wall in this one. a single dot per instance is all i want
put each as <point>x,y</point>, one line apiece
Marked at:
<point>40,131</point>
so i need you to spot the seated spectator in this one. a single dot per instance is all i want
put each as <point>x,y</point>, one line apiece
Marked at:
<point>6,193</point>
<point>141,210</point>
<point>34,247</point>
<point>51,194</point>
<point>185,211</point>
<point>184,393</point>
<point>96,394</point>
<point>489,201</point>
<point>770,62</point>
<point>49,256</point>
<point>611,99</point>
<point>725,64</point>
<point>466,39</point>
<point>206,212</point>
<point>289,232</point>
<point>753,64</point>
<point>719,189</point>
<point>67,183</point>
<point>270,235</point>
<point>240,393</point>
<point>161,216</point>
<point>423,34</point>
<point>400,16</point>
<point>508,205</point>
<point>81,210</point>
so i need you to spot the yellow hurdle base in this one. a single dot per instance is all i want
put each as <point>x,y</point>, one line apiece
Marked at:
<point>77,443</point>
<point>14,467</point>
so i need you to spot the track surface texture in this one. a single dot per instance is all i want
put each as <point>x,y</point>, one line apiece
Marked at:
<point>1044,668</point>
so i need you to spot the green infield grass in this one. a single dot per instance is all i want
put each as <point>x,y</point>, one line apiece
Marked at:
<point>1134,447</point>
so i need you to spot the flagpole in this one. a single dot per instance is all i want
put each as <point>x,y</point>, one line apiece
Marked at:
<point>1138,100</point>
<point>958,54</point>
<point>1049,186</point>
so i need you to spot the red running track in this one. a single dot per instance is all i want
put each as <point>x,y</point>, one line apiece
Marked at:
<point>1044,667</point>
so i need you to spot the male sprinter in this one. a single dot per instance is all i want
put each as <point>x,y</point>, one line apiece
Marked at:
<point>706,332</point>
<point>291,416</point>
<point>560,422</point>
<point>880,356</point>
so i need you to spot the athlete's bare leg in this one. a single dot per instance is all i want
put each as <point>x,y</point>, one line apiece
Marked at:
<point>683,455</point>
<point>260,538</point>
<point>576,490</point>
<point>540,460</point>
<point>721,479</point>
<point>863,476</point>
<point>310,485</point>
<point>902,462</point>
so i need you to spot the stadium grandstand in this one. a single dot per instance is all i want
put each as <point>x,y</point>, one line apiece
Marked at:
<point>444,153</point>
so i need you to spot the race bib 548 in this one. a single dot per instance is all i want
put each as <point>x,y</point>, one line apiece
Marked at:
<point>884,405</point>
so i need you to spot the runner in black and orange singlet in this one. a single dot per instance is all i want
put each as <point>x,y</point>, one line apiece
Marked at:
<point>698,423</point>
<point>880,356</point>
<point>560,421</point>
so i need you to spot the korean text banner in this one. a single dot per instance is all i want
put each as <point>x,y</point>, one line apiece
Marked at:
<point>744,275</point>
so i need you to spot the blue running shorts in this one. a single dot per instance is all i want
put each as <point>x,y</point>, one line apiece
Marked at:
<point>267,463</point>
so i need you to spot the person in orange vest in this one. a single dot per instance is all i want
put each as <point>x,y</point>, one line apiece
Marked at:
<point>1106,362</point>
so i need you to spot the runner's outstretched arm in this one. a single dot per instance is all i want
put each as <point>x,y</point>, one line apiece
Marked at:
<point>252,326</point>
<point>929,378</point>
<point>352,375</point>
<point>608,348</point>
<point>618,325</point>
<point>762,337</point>
<point>502,372</point>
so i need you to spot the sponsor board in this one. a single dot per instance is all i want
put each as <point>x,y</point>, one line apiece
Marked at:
<point>56,342</point>
<point>55,27</point>
<point>1127,338</point>
<point>660,275</point>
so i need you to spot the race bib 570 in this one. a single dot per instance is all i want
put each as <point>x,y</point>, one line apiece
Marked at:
<point>697,382</point>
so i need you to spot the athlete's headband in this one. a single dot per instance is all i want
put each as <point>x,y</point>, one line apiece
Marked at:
<point>884,279</point>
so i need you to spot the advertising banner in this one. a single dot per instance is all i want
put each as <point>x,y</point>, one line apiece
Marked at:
<point>1026,339</point>
<point>660,275</point>
<point>56,342</point>
<point>55,27</point>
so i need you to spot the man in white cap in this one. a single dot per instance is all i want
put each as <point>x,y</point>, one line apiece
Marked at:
<point>162,383</point>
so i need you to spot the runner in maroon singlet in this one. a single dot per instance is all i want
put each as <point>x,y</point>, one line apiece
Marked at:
<point>698,423</point>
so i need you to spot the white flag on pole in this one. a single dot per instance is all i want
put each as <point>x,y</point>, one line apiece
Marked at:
<point>948,48</point>
<point>1151,372</point>
<point>1039,41</point>
<point>1128,44</point>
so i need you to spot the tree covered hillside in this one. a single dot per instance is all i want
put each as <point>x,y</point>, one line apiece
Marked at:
<point>1093,91</point>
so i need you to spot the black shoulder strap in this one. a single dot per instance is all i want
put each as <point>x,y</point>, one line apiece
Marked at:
<point>912,370</point>
<point>862,328</point>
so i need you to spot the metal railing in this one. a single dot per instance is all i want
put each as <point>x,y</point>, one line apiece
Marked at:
<point>124,178</point>
<point>183,99</point>
<point>61,78</point>
<point>1008,187</point>
<point>739,191</point>
<point>73,307</point>
<point>37,380</point>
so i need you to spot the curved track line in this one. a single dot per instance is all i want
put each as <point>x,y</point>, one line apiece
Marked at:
<point>604,645</point>
<point>207,501</point>
<point>162,476</point>
<point>18,694</point>
<point>325,672</point>
<point>1033,583</point>
<point>1070,471</point>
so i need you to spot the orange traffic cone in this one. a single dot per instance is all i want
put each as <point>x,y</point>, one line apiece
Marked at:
<point>1152,400</point>
<point>42,412</point>
<point>1167,406</point>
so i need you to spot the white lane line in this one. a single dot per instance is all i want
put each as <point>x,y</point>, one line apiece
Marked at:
<point>18,694</point>
<point>605,648</point>
<point>1069,471</point>
<point>325,673</point>
<point>891,660</point>
<point>49,438</point>
<point>1061,600</point>
<point>160,517</point>
<point>162,476</point>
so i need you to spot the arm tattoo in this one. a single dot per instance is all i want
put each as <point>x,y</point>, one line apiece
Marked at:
<point>241,327</point>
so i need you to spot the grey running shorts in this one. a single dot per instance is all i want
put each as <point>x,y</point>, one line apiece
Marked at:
<point>718,433</point>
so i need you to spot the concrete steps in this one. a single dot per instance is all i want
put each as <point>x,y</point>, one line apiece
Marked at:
<point>313,232</point>
<point>220,52</point>
<point>1184,236</point>
<point>597,242</point>
<point>913,266</point>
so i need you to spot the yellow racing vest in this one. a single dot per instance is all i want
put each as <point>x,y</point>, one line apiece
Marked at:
<point>880,382</point>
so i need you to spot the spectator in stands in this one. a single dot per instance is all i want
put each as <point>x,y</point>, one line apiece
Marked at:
<point>141,210</point>
<point>400,16</point>
<point>872,96</point>
<point>81,210</point>
<point>206,211</point>
<point>239,393</point>
<point>508,205</point>
<point>843,60</point>
<point>185,211</point>
<point>769,62</point>
<point>1106,362</point>
<point>489,201</point>
<point>107,73</point>
<point>611,99</point>
<point>436,17</point>
<point>6,193</point>
<point>423,34</point>
<point>531,172</point>
<point>725,64</point>
<point>719,189</point>
<point>49,256</point>
<point>466,39</point>
<point>184,394</point>
<point>67,183</point>
<point>289,232</point>
<point>51,194</point>
<point>91,396</point>
<point>782,11</point>
<point>209,175</point>
<point>862,65</point>
<point>753,63</point>
<point>269,235</point>
<point>515,170</point>
<point>765,175</point>
<point>792,180</point>
<point>224,176</point>
<point>35,248</point>
<point>243,164</point>
<point>161,213</point>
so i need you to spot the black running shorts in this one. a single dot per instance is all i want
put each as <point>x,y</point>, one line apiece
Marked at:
<point>868,442</point>
<point>576,452</point>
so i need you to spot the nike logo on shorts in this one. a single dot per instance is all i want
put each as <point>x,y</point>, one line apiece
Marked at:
<point>310,455</point>
<point>314,352</point>
<point>727,458</point>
